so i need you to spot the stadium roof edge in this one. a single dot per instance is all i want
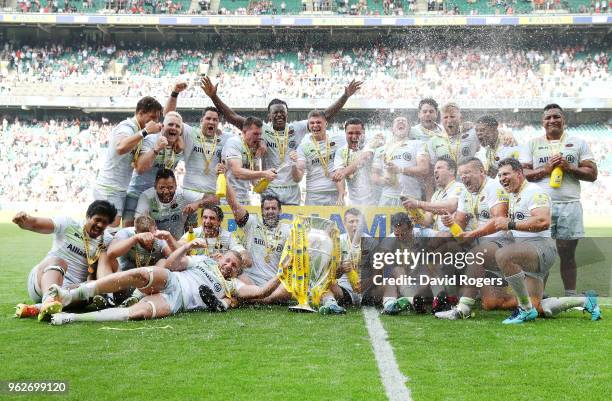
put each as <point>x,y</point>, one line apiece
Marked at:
<point>303,21</point>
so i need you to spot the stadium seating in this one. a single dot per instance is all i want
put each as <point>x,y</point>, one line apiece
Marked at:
<point>487,7</point>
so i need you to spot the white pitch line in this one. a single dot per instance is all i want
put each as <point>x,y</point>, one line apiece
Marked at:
<point>393,380</point>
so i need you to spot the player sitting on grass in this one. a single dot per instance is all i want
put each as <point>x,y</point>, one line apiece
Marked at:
<point>78,247</point>
<point>187,283</point>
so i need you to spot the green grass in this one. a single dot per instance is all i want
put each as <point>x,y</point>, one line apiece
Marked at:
<point>270,354</point>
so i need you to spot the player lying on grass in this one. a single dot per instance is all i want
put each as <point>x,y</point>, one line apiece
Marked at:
<point>529,257</point>
<point>78,247</point>
<point>187,283</point>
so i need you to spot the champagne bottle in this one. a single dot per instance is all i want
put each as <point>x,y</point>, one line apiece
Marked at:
<point>455,229</point>
<point>556,177</point>
<point>221,186</point>
<point>261,185</point>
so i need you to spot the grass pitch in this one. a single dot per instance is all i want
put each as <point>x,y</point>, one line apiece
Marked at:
<point>270,354</point>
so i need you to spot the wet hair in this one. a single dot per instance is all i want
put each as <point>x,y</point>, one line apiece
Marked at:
<point>270,198</point>
<point>400,218</point>
<point>164,173</point>
<point>353,121</point>
<point>430,101</point>
<point>450,164</point>
<point>144,224</point>
<point>250,121</point>
<point>213,109</point>
<point>215,209</point>
<point>473,160</point>
<point>513,163</point>
<point>353,211</point>
<point>317,113</point>
<point>554,106</point>
<point>449,106</point>
<point>277,101</point>
<point>488,120</point>
<point>148,104</point>
<point>102,208</point>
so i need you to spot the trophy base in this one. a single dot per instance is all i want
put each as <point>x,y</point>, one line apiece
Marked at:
<point>302,309</point>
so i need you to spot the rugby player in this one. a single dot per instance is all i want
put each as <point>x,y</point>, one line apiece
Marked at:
<point>456,144</point>
<point>353,164</point>
<point>483,200</point>
<point>187,283</point>
<point>218,239</point>
<point>167,204</point>
<point>239,155</point>
<point>78,247</point>
<point>315,158</point>
<point>124,146</point>
<point>265,238</point>
<point>400,165</point>
<point>574,157</point>
<point>159,151</point>
<point>281,138</point>
<point>492,146</point>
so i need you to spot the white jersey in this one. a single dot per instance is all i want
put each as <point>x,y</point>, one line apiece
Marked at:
<point>236,149</point>
<point>198,155</point>
<point>202,270</point>
<point>452,191</point>
<point>490,157</point>
<point>116,172</point>
<point>359,183</point>
<point>402,154</point>
<point>457,148</point>
<point>421,133</point>
<point>68,245</point>
<point>477,205</point>
<point>138,256</point>
<point>530,197</point>
<point>166,159</point>
<point>275,142</point>
<point>575,150</point>
<point>226,241</point>
<point>316,158</point>
<point>265,245</point>
<point>168,216</point>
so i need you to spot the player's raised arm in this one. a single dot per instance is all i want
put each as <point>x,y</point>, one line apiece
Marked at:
<point>172,100</point>
<point>349,91</point>
<point>230,115</point>
<point>178,260</point>
<point>145,162</point>
<point>41,225</point>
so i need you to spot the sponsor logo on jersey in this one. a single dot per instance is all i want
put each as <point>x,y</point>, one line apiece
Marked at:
<point>407,156</point>
<point>259,241</point>
<point>570,158</point>
<point>484,214</point>
<point>76,250</point>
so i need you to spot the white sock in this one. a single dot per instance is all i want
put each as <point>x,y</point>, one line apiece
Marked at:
<point>387,300</point>
<point>571,293</point>
<point>106,315</point>
<point>465,305</point>
<point>517,282</point>
<point>554,306</point>
<point>84,291</point>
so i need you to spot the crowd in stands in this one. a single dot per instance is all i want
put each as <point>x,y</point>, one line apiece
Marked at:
<point>454,72</point>
<point>343,7</point>
<point>57,160</point>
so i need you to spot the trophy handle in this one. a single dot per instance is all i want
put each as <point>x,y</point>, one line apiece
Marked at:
<point>301,308</point>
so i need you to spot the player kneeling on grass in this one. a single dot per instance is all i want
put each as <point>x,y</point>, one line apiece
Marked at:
<point>187,283</point>
<point>78,248</point>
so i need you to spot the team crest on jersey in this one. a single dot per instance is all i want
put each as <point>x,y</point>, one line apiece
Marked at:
<point>519,216</point>
<point>496,158</point>
<point>570,158</point>
<point>465,151</point>
<point>485,214</point>
<point>407,156</point>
